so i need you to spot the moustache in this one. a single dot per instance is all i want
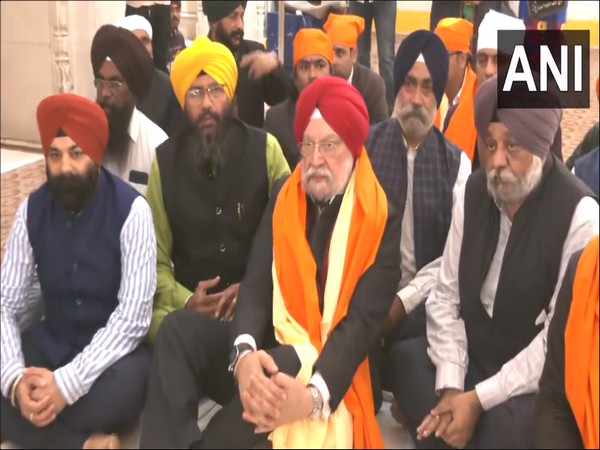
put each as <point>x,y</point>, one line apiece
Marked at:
<point>503,175</point>
<point>417,112</point>
<point>239,34</point>
<point>207,115</point>
<point>318,172</point>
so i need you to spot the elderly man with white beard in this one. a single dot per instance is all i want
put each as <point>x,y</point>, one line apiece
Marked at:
<point>514,228</point>
<point>419,169</point>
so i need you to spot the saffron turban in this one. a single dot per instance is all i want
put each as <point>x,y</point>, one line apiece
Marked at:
<point>206,56</point>
<point>120,46</point>
<point>312,41</point>
<point>79,118</point>
<point>340,105</point>
<point>425,46</point>
<point>456,34</point>
<point>217,10</point>
<point>492,22</point>
<point>344,29</point>
<point>135,22</point>
<point>533,128</point>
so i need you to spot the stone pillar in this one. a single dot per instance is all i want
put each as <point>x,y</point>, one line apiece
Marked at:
<point>202,22</point>
<point>61,64</point>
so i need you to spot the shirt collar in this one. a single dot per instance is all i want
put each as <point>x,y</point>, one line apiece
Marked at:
<point>351,75</point>
<point>457,98</point>
<point>134,125</point>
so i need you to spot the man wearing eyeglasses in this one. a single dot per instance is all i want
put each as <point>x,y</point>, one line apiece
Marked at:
<point>320,280</point>
<point>208,188</point>
<point>313,56</point>
<point>123,75</point>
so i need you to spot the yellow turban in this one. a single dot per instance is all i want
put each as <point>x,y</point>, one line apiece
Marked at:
<point>206,56</point>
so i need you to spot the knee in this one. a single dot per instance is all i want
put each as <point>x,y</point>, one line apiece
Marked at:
<point>172,325</point>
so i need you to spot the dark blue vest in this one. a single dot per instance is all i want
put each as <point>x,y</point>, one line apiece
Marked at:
<point>78,262</point>
<point>436,168</point>
<point>587,168</point>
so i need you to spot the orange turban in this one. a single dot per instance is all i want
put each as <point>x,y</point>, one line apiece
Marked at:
<point>79,118</point>
<point>455,33</point>
<point>344,29</point>
<point>312,41</point>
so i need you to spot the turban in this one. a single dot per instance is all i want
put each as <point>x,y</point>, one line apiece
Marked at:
<point>127,53</point>
<point>79,118</point>
<point>206,56</point>
<point>492,22</point>
<point>331,95</point>
<point>455,33</point>
<point>433,51</point>
<point>533,128</point>
<point>135,22</point>
<point>344,29</point>
<point>215,11</point>
<point>312,41</point>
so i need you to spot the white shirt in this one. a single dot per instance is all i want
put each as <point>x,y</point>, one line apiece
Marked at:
<point>351,75</point>
<point>446,330</point>
<point>126,326</point>
<point>144,137</point>
<point>415,287</point>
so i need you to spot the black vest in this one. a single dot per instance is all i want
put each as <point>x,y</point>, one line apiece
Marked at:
<point>530,266</point>
<point>435,171</point>
<point>213,219</point>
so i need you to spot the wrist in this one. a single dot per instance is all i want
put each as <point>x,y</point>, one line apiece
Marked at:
<point>185,304</point>
<point>316,401</point>
<point>13,391</point>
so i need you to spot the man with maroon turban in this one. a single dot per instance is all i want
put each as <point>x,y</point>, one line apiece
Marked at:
<point>322,275</point>
<point>77,377</point>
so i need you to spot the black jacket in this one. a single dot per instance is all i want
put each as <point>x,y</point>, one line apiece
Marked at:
<point>372,88</point>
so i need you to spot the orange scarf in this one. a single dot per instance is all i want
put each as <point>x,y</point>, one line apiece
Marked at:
<point>296,271</point>
<point>461,127</point>
<point>581,347</point>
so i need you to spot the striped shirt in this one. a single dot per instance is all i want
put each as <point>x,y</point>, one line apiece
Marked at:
<point>126,327</point>
<point>448,346</point>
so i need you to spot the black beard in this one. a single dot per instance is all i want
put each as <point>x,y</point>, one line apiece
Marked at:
<point>206,149</point>
<point>226,39</point>
<point>118,127</point>
<point>73,191</point>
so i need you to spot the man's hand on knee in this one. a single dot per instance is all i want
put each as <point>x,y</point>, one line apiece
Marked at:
<point>34,406</point>
<point>45,386</point>
<point>466,410</point>
<point>261,397</point>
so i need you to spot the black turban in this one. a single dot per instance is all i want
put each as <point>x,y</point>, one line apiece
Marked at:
<point>216,10</point>
<point>129,55</point>
<point>536,129</point>
<point>435,55</point>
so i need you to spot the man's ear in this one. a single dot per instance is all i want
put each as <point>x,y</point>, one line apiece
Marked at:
<point>354,54</point>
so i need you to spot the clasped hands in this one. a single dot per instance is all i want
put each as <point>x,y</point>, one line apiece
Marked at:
<point>270,398</point>
<point>38,397</point>
<point>453,419</point>
<point>220,305</point>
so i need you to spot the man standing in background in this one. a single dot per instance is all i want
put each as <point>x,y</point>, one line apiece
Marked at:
<point>158,13</point>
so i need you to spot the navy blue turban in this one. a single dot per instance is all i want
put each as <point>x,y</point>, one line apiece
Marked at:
<point>435,55</point>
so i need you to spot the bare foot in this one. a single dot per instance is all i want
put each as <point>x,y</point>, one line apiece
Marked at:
<point>102,441</point>
<point>397,413</point>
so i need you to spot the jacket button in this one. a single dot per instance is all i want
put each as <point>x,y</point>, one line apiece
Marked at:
<point>222,248</point>
<point>218,210</point>
<point>69,223</point>
<point>75,267</point>
<point>78,302</point>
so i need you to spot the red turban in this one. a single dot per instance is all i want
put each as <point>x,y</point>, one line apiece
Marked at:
<point>79,118</point>
<point>342,107</point>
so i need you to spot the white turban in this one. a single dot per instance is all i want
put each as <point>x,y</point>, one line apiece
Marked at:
<point>492,22</point>
<point>135,23</point>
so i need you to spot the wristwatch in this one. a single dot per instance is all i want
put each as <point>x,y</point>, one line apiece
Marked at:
<point>317,399</point>
<point>236,351</point>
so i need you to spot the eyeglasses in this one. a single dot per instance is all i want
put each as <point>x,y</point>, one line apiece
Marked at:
<point>215,93</point>
<point>113,85</point>
<point>326,148</point>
